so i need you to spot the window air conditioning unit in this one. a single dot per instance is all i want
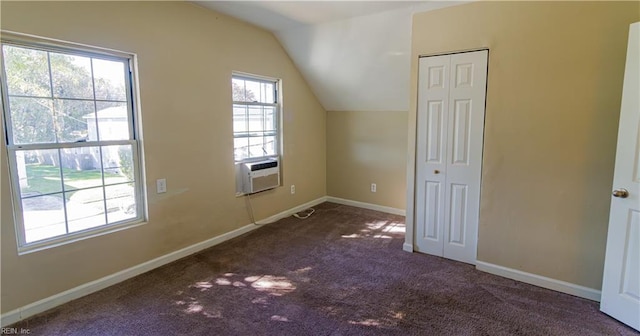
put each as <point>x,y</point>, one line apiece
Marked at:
<point>260,176</point>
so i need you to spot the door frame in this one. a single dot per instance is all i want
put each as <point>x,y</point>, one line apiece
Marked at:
<point>410,219</point>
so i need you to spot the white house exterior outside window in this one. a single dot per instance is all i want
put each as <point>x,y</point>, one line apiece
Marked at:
<point>72,141</point>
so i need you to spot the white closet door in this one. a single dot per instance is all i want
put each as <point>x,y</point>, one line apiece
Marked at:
<point>433,105</point>
<point>451,101</point>
<point>464,154</point>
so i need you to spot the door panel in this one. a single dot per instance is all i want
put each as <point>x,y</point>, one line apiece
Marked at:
<point>436,76</point>
<point>434,126</point>
<point>631,255</point>
<point>621,278</point>
<point>458,217</point>
<point>461,131</point>
<point>430,205</point>
<point>464,75</point>
<point>432,210</point>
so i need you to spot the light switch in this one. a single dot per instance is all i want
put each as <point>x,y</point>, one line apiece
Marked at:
<point>161,186</point>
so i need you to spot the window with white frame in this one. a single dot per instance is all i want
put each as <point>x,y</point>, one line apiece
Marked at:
<point>72,141</point>
<point>255,117</point>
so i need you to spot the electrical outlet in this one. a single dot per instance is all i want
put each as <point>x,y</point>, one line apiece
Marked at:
<point>161,186</point>
<point>373,187</point>
<point>293,189</point>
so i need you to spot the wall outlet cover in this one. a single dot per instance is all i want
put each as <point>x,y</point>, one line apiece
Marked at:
<point>161,186</point>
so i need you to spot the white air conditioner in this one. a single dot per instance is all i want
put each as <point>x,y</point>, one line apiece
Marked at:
<point>260,176</point>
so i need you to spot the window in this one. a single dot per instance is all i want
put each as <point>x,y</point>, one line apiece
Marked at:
<point>255,117</point>
<point>72,142</point>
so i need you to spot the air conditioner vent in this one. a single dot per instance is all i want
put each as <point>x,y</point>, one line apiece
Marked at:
<point>264,165</point>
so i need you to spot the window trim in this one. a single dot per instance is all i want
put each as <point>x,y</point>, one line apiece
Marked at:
<point>135,140</point>
<point>277,104</point>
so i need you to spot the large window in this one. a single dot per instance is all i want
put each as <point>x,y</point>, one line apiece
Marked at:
<point>72,142</point>
<point>255,117</point>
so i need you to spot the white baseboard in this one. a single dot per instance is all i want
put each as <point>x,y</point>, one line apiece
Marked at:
<point>110,280</point>
<point>364,205</point>
<point>540,281</point>
<point>407,247</point>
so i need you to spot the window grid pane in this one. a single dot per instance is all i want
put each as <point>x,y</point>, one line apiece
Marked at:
<point>121,202</point>
<point>38,83</point>
<point>48,221</point>
<point>71,121</point>
<point>85,209</point>
<point>37,173</point>
<point>31,120</point>
<point>60,98</point>
<point>71,76</point>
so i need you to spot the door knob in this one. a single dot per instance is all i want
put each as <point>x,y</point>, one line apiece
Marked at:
<point>622,193</point>
<point>436,171</point>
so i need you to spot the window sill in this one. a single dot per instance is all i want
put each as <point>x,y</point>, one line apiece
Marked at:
<point>64,240</point>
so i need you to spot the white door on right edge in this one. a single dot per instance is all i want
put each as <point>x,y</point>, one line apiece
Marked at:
<point>451,106</point>
<point>621,279</point>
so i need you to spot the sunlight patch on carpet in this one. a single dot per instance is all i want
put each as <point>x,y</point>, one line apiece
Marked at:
<point>279,318</point>
<point>223,282</point>
<point>379,230</point>
<point>260,300</point>
<point>303,270</point>
<point>367,322</point>
<point>377,225</point>
<point>203,285</point>
<point>273,285</point>
<point>194,307</point>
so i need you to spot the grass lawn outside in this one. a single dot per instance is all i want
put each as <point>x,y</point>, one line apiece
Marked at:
<point>45,179</point>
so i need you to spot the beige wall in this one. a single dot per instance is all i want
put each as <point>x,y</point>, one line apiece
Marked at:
<point>365,148</point>
<point>553,102</point>
<point>186,56</point>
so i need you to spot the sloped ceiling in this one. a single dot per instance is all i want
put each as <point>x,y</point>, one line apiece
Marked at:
<point>354,55</point>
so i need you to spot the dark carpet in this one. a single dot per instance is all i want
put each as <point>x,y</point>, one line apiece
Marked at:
<point>340,272</point>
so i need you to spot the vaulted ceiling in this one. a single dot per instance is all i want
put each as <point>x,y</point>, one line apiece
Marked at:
<point>355,55</point>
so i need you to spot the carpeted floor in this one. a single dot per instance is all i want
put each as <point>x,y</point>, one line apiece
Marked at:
<point>340,272</point>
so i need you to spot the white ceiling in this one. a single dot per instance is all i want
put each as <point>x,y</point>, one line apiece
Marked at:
<point>282,15</point>
<point>355,55</point>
